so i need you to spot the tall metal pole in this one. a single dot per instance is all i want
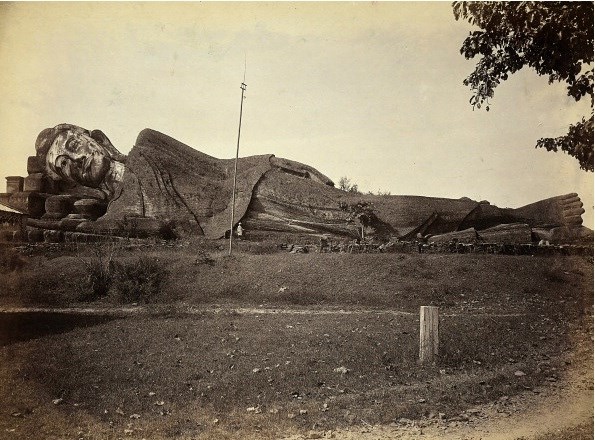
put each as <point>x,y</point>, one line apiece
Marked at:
<point>235,173</point>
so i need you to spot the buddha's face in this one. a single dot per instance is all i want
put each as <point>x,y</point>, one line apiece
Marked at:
<point>79,158</point>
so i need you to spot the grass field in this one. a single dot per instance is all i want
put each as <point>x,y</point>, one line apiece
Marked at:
<point>482,283</point>
<point>340,351</point>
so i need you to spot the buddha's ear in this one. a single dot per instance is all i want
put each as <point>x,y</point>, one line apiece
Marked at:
<point>104,141</point>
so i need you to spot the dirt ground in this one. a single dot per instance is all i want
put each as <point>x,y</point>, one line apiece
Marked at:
<point>560,412</point>
<point>285,350</point>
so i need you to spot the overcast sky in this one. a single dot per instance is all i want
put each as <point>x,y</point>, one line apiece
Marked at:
<point>372,91</point>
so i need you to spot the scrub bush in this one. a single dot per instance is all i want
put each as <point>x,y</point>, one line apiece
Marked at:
<point>139,280</point>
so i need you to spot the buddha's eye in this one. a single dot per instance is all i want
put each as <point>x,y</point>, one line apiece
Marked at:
<point>62,163</point>
<point>71,144</point>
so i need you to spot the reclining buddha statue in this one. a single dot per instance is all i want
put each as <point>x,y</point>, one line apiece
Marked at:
<point>79,183</point>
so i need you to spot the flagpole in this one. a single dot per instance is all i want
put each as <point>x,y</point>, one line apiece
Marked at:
<point>235,173</point>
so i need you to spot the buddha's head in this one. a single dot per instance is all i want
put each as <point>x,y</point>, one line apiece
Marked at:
<point>79,156</point>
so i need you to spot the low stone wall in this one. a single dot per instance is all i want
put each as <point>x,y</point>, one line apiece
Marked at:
<point>506,249</point>
<point>461,248</point>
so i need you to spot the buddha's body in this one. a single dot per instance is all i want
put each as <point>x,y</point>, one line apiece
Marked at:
<point>163,181</point>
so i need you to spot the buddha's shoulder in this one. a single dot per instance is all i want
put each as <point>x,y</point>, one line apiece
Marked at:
<point>154,144</point>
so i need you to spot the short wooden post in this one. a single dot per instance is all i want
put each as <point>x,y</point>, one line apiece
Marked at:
<point>428,334</point>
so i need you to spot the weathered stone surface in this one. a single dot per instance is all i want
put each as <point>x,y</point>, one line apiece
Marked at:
<point>164,185</point>
<point>563,210</point>
<point>34,166</point>
<point>50,236</point>
<point>54,215</point>
<point>130,226</point>
<point>32,204</point>
<point>570,234</point>
<point>35,182</point>
<point>81,237</point>
<point>466,236</point>
<point>70,224</point>
<point>78,216</point>
<point>484,216</point>
<point>539,234</point>
<point>14,184</point>
<point>43,223</point>
<point>34,235</point>
<point>35,204</point>
<point>90,208</point>
<point>511,233</point>
<point>60,204</point>
<point>5,199</point>
<point>70,153</point>
<point>77,191</point>
<point>168,180</point>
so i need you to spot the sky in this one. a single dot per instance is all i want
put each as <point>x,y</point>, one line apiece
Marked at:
<point>370,91</point>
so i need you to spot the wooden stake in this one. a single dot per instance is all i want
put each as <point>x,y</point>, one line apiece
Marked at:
<point>428,334</point>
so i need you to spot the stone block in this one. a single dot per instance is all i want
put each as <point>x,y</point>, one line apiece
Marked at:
<point>35,182</point>
<point>510,233</point>
<point>54,215</point>
<point>90,208</point>
<point>541,234</point>
<point>134,227</point>
<point>43,223</point>
<point>70,224</point>
<point>466,236</point>
<point>81,237</point>
<point>30,203</point>
<point>50,186</point>
<point>33,165</point>
<point>34,204</point>
<point>575,234</point>
<point>50,236</point>
<point>5,199</point>
<point>14,184</point>
<point>60,204</point>
<point>35,235</point>
<point>78,216</point>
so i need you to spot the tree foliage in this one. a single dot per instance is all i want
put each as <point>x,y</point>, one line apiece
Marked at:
<point>346,185</point>
<point>553,38</point>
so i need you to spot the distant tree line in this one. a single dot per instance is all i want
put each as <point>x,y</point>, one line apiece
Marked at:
<point>345,184</point>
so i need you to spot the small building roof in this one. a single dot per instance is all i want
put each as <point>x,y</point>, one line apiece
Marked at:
<point>5,208</point>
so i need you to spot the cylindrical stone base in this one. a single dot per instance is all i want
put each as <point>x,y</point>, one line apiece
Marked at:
<point>14,184</point>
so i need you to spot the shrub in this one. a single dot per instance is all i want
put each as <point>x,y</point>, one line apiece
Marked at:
<point>346,185</point>
<point>100,270</point>
<point>99,280</point>
<point>10,260</point>
<point>139,280</point>
<point>167,230</point>
<point>555,275</point>
<point>203,257</point>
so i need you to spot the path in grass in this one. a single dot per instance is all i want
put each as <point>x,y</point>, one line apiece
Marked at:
<point>193,310</point>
